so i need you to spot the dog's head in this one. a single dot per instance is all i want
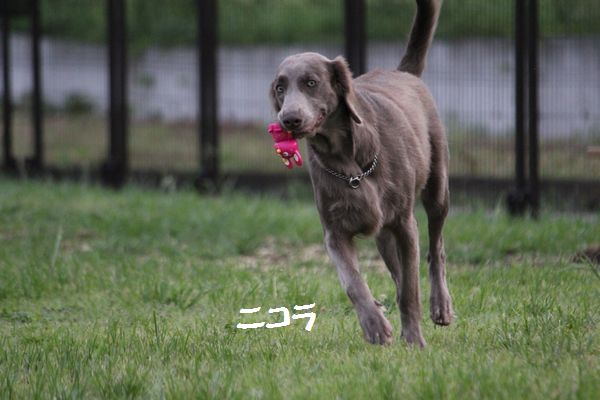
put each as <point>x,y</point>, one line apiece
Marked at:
<point>308,88</point>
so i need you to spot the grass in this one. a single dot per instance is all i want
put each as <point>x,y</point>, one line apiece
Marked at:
<point>136,294</point>
<point>82,140</point>
<point>158,23</point>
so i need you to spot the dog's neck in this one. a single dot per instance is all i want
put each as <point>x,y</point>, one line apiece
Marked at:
<point>334,137</point>
<point>337,143</point>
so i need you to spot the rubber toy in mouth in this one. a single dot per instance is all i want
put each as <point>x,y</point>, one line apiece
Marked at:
<point>285,145</point>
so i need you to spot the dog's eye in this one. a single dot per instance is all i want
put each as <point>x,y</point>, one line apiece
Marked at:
<point>279,88</point>
<point>311,83</point>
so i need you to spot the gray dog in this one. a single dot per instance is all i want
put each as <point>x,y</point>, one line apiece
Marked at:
<point>375,144</point>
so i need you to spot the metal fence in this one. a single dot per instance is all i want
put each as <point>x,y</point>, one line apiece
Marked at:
<point>522,109</point>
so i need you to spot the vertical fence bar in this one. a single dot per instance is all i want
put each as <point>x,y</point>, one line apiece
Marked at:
<point>9,162</point>
<point>517,199</point>
<point>533,74</point>
<point>36,162</point>
<point>355,35</point>
<point>114,170</point>
<point>208,116</point>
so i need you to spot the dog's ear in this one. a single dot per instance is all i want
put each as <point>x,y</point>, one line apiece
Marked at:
<point>273,98</point>
<point>342,84</point>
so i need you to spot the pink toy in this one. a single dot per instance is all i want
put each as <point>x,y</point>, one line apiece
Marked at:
<point>285,145</point>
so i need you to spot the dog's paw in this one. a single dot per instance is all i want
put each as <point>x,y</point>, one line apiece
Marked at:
<point>376,328</point>
<point>413,337</point>
<point>441,309</point>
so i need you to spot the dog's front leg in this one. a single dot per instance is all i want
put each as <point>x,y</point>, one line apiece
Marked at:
<point>375,326</point>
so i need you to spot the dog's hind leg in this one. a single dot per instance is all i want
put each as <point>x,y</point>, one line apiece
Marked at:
<point>435,200</point>
<point>375,326</point>
<point>407,283</point>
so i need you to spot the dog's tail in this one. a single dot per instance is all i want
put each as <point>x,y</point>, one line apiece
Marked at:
<point>420,37</point>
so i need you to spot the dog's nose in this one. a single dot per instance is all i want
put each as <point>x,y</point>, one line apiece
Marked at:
<point>291,121</point>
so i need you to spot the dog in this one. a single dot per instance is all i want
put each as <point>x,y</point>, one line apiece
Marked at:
<point>375,143</point>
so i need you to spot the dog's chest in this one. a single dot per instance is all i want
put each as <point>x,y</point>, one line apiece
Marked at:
<point>348,210</point>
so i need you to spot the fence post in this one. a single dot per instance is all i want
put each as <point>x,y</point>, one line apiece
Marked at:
<point>207,94</point>
<point>35,164</point>
<point>114,169</point>
<point>526,193</point>
<point>355,35</point>
<point>517,199</point>
<point>534,195</point>
<point>9,163</point>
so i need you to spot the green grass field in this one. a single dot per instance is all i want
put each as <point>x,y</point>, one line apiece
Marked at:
<point>136,294</point>
<point>173,23</point>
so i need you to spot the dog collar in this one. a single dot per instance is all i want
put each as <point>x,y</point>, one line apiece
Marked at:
<point>353,181</point>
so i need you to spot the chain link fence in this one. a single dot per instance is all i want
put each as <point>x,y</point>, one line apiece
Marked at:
<point>471,72</point>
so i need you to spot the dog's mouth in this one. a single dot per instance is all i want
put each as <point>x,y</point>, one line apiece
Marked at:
<point>312,130</point>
